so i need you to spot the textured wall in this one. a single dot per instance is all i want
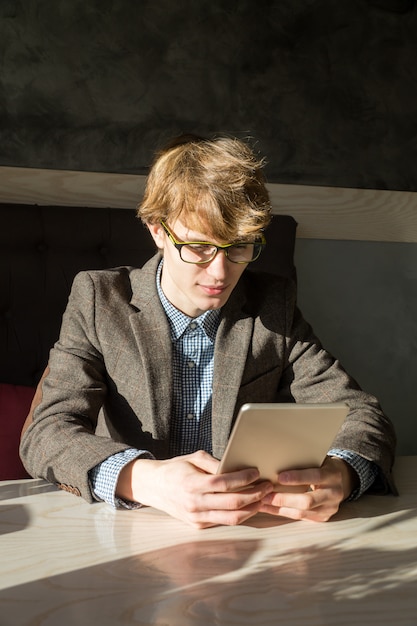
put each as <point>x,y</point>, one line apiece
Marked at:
<point>327,87</point>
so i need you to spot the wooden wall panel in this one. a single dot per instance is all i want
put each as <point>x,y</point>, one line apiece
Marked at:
<point>321,212</point>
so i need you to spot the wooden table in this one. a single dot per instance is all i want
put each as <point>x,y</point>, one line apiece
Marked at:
<point>65,562</point>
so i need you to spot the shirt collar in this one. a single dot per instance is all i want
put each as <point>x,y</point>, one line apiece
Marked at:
<point>179,322</point>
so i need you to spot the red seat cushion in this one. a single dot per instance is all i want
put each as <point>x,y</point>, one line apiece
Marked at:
<point>15,401</point>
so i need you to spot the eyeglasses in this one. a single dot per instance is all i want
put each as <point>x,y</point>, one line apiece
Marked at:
<point>203,251</point>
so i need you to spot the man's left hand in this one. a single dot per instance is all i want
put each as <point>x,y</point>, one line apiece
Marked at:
<point>325,488</point>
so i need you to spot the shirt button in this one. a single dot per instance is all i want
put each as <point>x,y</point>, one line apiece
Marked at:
<point>190,364</point>
<point>190,416</point>
<point>193,325</point>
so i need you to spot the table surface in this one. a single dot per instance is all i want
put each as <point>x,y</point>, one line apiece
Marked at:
<point>66,562</point>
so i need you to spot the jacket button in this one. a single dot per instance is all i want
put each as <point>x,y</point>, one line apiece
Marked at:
<point>74,490</point>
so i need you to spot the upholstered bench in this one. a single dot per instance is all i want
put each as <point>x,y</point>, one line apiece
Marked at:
<point>41,250</point>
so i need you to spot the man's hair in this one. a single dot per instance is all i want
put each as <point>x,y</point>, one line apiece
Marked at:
<point>215,186</point>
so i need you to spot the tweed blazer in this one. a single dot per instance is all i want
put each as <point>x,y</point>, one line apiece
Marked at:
<point>109,385</point>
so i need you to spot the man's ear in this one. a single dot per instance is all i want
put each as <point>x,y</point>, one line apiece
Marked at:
<point>158,234</point>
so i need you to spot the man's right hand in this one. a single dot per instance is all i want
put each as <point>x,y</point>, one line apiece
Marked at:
<point>188,488</point>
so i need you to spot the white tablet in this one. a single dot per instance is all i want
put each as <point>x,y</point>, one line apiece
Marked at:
<point>276,437</point>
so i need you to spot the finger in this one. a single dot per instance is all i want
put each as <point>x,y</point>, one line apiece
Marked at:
<point>220,517</point>
<point>228,509</point>
<point>320,514</point>
<point>203,461</point>
<point>234,500</point>
<point>231,480</point>
<point>306,501</point>
<point>311,476</point>
<point>319,505</point>
<point>236,481</point>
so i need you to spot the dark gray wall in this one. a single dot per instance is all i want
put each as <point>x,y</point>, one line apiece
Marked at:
<point>327,88</point>
<point>361,298</point>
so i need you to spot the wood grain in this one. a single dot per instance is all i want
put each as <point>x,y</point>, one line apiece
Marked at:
<point>68,562</point>
<point>321,212</point>
<point>354,214</point>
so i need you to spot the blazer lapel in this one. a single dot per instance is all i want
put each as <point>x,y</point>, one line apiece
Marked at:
<point>152,333</point>
<point>231,349</point>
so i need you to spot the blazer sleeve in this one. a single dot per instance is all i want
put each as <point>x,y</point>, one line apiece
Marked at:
<point>60,445</point>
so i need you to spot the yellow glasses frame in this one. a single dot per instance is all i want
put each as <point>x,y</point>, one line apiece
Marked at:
<point>226,248</point>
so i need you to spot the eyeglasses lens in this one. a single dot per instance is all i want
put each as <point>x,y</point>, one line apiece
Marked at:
<point>239,253</point>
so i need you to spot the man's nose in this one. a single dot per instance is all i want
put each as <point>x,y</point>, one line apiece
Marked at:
<point>219,265</point>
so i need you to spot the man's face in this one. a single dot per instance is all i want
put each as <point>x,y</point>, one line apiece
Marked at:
<point>191,288</point>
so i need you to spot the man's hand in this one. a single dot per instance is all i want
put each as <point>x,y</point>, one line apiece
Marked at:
<point>325,488</point>
<point>188,488</point>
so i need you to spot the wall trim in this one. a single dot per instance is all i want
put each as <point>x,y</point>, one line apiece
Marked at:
<point>321,212</point>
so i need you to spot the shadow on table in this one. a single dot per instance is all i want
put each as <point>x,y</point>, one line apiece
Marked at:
<point>29,487</point>
<point>228,582</point>
<point>13,518</point>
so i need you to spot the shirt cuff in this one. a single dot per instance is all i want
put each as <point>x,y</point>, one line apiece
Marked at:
<point>366,470</point>
<point>104,476</point>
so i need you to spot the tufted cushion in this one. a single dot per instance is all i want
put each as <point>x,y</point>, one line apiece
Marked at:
<point>15,402</point>
<point>41,250</point>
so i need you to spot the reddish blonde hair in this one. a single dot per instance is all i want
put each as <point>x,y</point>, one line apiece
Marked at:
<point>214,186</point>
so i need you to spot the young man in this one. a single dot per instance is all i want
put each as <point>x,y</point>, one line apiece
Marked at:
<point>152,364</point>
